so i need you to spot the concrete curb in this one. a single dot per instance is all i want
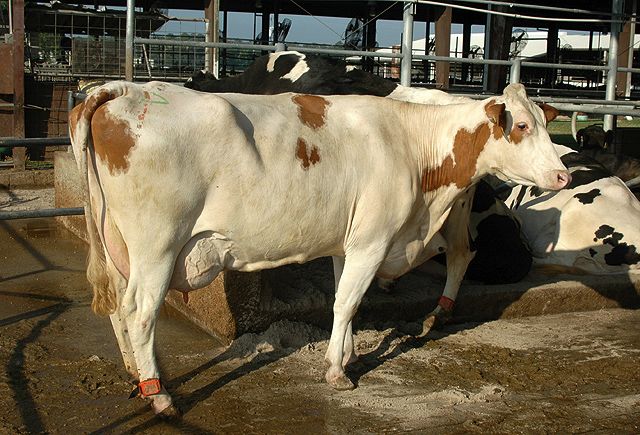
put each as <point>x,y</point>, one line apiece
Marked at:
<point>29,178</point>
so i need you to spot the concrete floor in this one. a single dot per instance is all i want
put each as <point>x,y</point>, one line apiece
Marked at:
<point>566,372</point>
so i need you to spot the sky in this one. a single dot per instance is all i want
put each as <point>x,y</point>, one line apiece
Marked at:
<point>304,28</point>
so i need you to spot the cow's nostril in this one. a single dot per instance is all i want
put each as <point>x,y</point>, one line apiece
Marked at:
<point>564,178</point>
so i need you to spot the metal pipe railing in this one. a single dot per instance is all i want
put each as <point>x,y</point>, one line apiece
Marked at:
<point>12,142</point>
<point>45,212</point>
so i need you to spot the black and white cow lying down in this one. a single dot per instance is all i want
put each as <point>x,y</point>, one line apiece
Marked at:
<point>498,253</point>
<point>592,226</point>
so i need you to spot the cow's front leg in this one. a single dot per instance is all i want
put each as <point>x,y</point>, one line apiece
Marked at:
<point>458,255</point>
<point>145,294</point>
<point>357,275</point>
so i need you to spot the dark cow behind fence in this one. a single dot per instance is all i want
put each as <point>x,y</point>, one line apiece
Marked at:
<point>595,143</point>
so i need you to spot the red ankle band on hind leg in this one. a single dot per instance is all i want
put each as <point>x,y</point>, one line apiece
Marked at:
<point>446,303</point>
<point>149,387</point>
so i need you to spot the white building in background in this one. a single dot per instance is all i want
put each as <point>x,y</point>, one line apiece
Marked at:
<point>534,42</point>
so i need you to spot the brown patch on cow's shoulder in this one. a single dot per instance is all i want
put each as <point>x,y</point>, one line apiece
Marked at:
<point>467,146</point>
<point>312,109</point>
<point>112,140</point>
<point>306,158</point>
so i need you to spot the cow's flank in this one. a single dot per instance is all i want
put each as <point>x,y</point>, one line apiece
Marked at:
<point>112,140</point>
<point>74,117</point>
<point>312,110</point>
<point>467,146</point>
<point>307,158</point>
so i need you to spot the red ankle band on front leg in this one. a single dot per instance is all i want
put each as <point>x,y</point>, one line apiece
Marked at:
<point>446,303</point>
<point>149,387</point>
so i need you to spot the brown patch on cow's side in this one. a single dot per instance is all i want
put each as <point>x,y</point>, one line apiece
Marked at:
<point>550,112</point>
<point>312,110</point>
<point>495,112</point>
<point>467,146</point>
<point>307,159</point>
<point>112,140</point>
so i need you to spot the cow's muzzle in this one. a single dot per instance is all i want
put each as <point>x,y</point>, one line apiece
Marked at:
<point>561,180</point>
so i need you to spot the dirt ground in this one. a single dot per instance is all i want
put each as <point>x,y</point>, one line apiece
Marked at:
<point>62,371</point>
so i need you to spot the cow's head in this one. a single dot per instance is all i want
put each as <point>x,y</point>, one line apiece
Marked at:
<point>522,150</point>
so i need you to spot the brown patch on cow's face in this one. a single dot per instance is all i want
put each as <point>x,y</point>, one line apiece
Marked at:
<point>517,132</point>
<point>112,140</point>
<point>312,110</point>
<point>467,146</point>
<point>307,159</point>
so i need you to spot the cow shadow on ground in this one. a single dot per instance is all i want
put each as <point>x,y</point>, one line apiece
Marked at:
<point>186,401</point>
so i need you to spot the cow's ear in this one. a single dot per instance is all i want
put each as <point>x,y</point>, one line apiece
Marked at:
<point>495,113</point>
<point>550,112</point>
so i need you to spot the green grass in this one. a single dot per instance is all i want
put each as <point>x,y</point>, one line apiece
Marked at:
<point>560,129</point>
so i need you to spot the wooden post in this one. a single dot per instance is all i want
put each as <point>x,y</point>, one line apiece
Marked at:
<point>19,154</point>
<point>499,45</point>
<point>443,42</point>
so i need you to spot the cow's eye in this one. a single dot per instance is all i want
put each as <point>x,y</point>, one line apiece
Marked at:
<point>521,126</point>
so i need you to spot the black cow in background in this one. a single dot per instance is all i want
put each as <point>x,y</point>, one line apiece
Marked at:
<point>595,143</point>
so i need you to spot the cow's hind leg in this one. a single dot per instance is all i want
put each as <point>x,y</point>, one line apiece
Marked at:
<point>357,275</point>
<point>119,284</point>
<point>348,349</point>
<point>147,288</point>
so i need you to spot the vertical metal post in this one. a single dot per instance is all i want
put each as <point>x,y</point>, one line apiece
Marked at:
<point>610,92</point>
<point>514,73</point>
<point>487,55</point>
<point>212,15</point>
<point>407,43</point>
<point>280,46</point>
<point>128,49</point>
<point>632,31</point>
<point>19,154</point>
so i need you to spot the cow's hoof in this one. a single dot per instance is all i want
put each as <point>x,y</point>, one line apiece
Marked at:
<point>171,412</point>
<point>428,325</point>
<point>340,383</point>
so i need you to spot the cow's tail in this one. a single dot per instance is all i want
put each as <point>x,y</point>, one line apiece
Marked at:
<point>104,294</point>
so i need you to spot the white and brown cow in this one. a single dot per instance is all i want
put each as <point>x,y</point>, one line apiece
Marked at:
<point>592,226</point>
<point>182,185</point>
<point>498,253</point>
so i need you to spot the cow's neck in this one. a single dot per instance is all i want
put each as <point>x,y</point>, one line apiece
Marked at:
<point>451,152</point>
